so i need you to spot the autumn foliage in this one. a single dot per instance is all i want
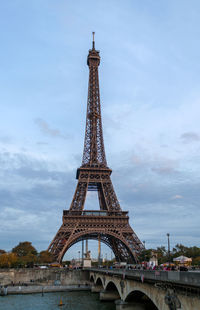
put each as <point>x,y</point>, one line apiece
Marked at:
<point>24,255</point>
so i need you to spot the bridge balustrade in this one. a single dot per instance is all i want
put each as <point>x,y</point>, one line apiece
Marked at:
<point>180,277</point>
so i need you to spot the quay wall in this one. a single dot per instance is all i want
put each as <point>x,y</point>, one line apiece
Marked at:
<point>51,276</point>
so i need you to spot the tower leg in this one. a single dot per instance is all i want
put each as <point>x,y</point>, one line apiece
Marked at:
<point>86,245</point>
<point>82,253</point>
<point>99,250</point>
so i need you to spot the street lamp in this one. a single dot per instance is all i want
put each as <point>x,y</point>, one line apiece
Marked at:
<point>168,247</point>
<point>144,251</point>
<point>79,257</point>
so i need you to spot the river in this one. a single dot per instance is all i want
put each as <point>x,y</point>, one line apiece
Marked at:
<point>50,301</point>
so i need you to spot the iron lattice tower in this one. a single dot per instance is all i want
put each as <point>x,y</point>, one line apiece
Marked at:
<point>110,223</point>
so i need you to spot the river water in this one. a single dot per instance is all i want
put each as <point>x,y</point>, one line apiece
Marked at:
<point>50,301</point>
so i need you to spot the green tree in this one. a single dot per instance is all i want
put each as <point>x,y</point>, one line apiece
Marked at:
<point>179,249</point>
<point>196,261</point>
<point>193,252</point>
<point>26,254</point>
<point>2,252</point>
<point>162,255</point>
<point>24,248</point>
<point>145,255</point>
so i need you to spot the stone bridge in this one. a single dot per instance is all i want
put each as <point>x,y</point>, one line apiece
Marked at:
<point>148,290</point>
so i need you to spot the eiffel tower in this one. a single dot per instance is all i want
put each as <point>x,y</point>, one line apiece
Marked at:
<point>109,224</point>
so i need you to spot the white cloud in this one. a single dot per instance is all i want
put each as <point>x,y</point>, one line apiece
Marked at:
<point>177,197</point>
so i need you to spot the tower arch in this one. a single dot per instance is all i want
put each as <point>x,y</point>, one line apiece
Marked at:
<point>106,237</point>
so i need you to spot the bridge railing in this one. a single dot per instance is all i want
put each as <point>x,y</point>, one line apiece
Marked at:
<point>180,277</point>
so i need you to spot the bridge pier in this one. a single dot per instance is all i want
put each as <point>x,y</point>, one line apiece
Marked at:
<point>108,295</point>
<point>123,305</point>
<point>96,288</point>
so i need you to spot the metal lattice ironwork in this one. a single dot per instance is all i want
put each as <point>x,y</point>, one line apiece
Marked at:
<point>110,222</point>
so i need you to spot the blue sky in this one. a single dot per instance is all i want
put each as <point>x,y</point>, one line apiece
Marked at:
<point>149,84</point>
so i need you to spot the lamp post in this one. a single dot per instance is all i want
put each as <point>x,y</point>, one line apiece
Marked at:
<point>144,251</point>
<point>99,251</point>
<point>168,247</point>
<point>79,257</point>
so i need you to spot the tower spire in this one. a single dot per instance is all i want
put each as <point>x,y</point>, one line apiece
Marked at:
<point>93,42</point>
<point>94,152</point>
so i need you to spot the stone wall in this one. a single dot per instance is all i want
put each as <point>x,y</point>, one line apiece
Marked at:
<point>49,276</point>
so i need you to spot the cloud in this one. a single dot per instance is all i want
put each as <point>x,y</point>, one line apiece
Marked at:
<point>45,128</point>
<point>33,194</point>
<point>163,170</point>
<point>28,225</point>
<point>5,139</point>
<point>155,200</point>
<point>41,143</point>
<point>177,197</point>
<point>158,164</point>
<point>189,137</point>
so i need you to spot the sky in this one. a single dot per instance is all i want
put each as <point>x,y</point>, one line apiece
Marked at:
<point>150,97</point>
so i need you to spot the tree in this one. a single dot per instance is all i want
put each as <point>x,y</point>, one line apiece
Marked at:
<point>196,261</point>
<point>45,257</point>
<point>179,249</point>
<point>191,252</point>
<point>145,255</point>
<point>8,260</point>
<point>24,248</point>
<point>162,255</point>
<point>2,252</point>
<point>26,254</point>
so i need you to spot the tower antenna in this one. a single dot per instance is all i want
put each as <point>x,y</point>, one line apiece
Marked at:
<point>93,42</point>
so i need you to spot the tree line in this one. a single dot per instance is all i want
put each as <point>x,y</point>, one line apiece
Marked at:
<point>165,256</point>
<point>24,255</point>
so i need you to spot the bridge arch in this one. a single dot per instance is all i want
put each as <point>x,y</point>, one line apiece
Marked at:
<point>111,286</point>
<point>99,282</point>
<point>92,279</point>
<point>142,297</point>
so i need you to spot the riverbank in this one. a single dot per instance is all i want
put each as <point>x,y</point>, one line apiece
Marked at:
<point>33,289</point>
